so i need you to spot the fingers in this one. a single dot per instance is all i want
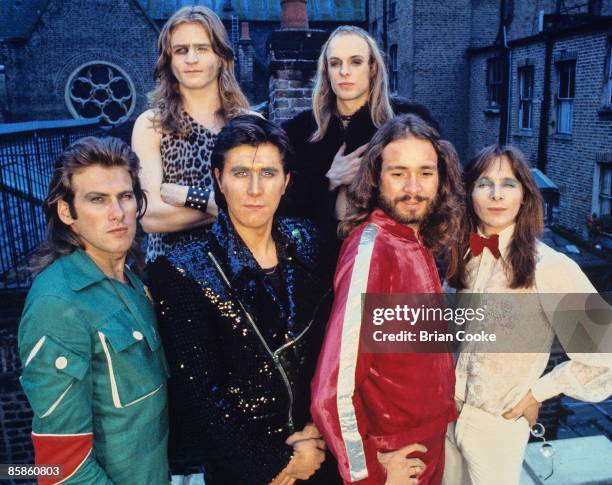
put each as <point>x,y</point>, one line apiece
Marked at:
<point>340,151</point>
<point>295,437</point>
<point>286,480</point>
<point>358,151</point>
<point>415,466</point>
<point>384,458</point>
<point>311,431</point>
<point>412,448</point>
<point>514,413</point>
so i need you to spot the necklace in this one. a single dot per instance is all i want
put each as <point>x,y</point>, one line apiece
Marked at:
<point>270,271</point>
<point>346,118</point>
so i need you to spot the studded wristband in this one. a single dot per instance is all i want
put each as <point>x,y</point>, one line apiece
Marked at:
<point>197,198</point>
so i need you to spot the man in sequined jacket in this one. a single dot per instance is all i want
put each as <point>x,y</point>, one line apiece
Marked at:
<point>242,317</point>
<point>384,415</point>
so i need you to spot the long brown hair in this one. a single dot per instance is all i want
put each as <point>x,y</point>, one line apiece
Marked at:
<point>165,99</point>
<point>324,99</point>
<point>521,261</point>
<point>440,226</point>
<point>85,152</point>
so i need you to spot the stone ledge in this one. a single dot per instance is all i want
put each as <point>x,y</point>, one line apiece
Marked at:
<point>575,461</point>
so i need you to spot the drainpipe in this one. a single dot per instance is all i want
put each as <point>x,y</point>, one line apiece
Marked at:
<point>509,92</point>
<point>384,22</point>
<point>545,107</point>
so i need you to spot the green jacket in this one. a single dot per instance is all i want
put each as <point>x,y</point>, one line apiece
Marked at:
<point>95,375</point>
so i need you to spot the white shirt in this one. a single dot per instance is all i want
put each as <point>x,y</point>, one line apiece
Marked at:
<point>495,382</point>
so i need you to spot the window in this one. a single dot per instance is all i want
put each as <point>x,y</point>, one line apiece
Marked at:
<point>100,89</point>
<point>608,80</point>
<point>393,68</point>
<point>374,29</point>
<point>566,81</point>
<point>392,9</point>
<point>605,189</point>
<point>494,82</point>
<point>525,86</point>
<point>3,96</point>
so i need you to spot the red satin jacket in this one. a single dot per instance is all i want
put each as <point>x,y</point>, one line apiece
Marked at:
<point>368,402</point>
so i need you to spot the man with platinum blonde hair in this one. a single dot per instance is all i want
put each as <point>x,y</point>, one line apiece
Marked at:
<point>350,101</point>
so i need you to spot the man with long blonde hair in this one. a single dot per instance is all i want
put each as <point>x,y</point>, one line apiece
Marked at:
<point>196,94</point>
<point>350,101</point>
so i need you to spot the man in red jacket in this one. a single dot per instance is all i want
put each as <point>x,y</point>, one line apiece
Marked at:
<point>375,410</point>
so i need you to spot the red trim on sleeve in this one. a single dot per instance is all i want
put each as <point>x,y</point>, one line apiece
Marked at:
<point>69,451</point>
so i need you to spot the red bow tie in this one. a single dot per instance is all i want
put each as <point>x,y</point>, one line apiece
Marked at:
<point>478,243</point>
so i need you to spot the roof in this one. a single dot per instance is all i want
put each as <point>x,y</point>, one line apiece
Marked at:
<point>17,19</point>
<point>9,128</point>
<point>262,10</point>
<point>542,181</point>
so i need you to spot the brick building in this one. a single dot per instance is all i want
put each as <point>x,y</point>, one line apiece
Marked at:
<point>65,58</point>
<point>534,74</point>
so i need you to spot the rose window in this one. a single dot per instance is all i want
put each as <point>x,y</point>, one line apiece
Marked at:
<point>103,90</point>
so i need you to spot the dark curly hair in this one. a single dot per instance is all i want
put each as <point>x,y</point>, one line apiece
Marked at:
<point>441,226</point>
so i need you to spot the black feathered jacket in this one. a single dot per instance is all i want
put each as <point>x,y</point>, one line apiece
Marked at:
<point>309,195</point>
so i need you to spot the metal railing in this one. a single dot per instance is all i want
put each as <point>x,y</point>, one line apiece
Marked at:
<point>27,154</point>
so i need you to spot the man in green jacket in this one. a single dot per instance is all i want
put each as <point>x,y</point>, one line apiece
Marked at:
<point>93,368</point>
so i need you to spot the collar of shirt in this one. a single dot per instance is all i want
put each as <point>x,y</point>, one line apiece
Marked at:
<point>80,271</point>
<point>385,222</point>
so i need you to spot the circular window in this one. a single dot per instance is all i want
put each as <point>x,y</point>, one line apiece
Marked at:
<point>100,89</point>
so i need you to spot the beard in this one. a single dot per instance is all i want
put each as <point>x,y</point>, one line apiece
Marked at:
<point>409,217</point>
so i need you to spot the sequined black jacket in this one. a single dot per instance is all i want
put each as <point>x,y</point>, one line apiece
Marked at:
<point>241,355</point>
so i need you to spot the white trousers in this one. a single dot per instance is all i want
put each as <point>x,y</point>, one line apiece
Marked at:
<point>482,449</point>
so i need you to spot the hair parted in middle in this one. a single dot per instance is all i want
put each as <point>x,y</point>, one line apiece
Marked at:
<point>85,152</point>
<point>165,99</point>
<point>252,130</point>
<point>324,99</point>
<point>521,261</point>
<point>440,227</point>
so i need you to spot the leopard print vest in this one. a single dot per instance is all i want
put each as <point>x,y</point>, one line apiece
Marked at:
<point>185,161</point>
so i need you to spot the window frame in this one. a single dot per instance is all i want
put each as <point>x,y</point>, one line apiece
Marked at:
<point>607,95</point>
<point>393,69</point>
<point>392,10</point>
<point>494,86</point>
<point>525,99</point>
<point>604,198</point>
<point>565,101</point>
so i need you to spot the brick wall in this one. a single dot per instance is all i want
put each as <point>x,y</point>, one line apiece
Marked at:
<point>441,76</point>
<point>401,34</point>
<point>432,72</point>
<point>572,160</point>
<point>527,140</point>
<point>485,22</point>
<point>260,32</point>
<point>293,64</point>
<point>483,126</point>
<point>290,92</point>
<point>15,413</point>
<point>68,34</point>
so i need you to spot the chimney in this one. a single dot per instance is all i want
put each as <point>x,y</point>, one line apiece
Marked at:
<point>244,31</point>
<point>293,51</point>
<point>293,14</point>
